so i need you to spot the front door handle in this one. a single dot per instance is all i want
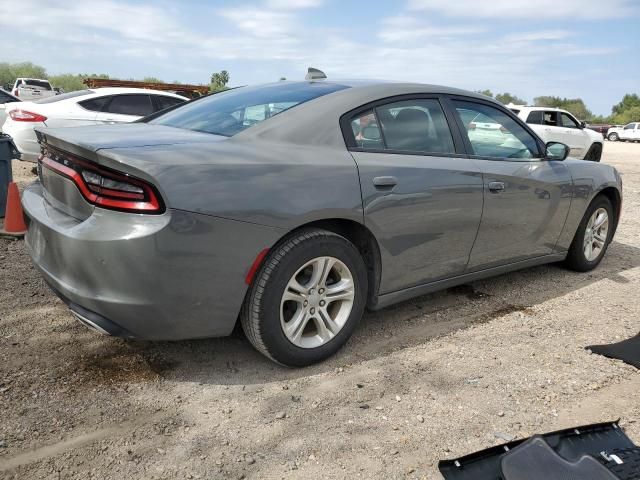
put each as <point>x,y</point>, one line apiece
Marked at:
<point>385,182</point>
<point>496,187</point>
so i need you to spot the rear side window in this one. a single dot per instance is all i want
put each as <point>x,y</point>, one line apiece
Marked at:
<point>5,98</point>
<point>536,118</point>
<point>497,135</point>
<point>38,83</point>
<point>138,105</point>
<point>417,126</point>
<point>167,102</point>
<point>94,104</point>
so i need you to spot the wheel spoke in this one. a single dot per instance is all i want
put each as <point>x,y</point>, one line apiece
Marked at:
<point>599,243</point>
<point>321,268</point>
<point>296,325</point>
<point>293,296</point>
<point>343,290</point>
<point>600,221</point>
<point>295,287</point>
<point>327,328</point>
<point>588,250</point>
<point>600,237</point>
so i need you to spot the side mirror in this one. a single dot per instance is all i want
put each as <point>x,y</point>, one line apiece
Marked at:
<point>583,124</point>
<point>557,151</point>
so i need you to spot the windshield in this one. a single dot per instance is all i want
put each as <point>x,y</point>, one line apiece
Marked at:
<point>43,84</point>
<point>64,96</point>
<point>231,112</point>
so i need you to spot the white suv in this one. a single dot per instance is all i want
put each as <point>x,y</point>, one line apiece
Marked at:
<point>555,125</point>
<point>628,133</point>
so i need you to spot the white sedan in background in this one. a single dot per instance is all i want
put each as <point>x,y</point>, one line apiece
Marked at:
<point>83,107</point>
<point>5,100</point>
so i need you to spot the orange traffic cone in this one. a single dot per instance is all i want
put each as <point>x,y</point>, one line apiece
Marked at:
<point>14,219</point>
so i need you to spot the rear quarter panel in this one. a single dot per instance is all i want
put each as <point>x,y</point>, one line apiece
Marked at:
<point>275,184</point>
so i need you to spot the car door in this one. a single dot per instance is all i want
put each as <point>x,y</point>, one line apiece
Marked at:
<point>577,139</point>
<point>628,132</point>
<point>526,198</point>
<point>125,108</point>
<point>422,198</point>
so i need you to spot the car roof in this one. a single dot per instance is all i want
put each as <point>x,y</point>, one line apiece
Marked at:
<point>122,90</point>
<point>315,121</point>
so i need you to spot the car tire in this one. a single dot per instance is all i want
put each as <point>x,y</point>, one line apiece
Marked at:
<point>613,137</point>
<point>578,258</point>
<point>274,302</point>
<point>595,153</point>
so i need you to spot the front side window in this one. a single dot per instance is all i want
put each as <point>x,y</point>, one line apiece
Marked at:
<point>631,126</point>
<point>568,121</point>
<point>228,113</point>
<point>536,118</point>
<point>493,133</point>
<point>138,105</point>
<point>417,125</point>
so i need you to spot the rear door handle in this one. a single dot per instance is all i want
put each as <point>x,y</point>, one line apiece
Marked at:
<point>496,187</point>
<point>385,181</point>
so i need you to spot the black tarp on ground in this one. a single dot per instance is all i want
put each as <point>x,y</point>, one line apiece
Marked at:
<point>628,350</point>
<point>566,454</point>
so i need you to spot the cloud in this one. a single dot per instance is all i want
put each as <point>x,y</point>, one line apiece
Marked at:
<point>293,4</point>
<point>540,35</point>
<point>403,28</point>
<point>510,9</point>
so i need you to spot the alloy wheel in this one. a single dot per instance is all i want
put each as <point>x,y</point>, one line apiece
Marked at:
<point>595,236</point>
<point>317,302</point>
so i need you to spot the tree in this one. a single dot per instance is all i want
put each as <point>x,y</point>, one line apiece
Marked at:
<point>628,110</point>
<point>573,105</point>
<point>219,81</point>
<point>486,92</point>
<point>506,98</point>
<point>70,82</point>
<point>10,71</point>
<point>152,80</point>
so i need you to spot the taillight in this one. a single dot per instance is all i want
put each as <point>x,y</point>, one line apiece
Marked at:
<point>16,93</point>
<point>104,187</point>
<point>19,115</point>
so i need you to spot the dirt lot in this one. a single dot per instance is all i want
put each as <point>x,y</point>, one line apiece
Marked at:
<point>434,378</point>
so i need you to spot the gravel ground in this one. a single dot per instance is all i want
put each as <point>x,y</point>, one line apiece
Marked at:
<point>433,378</point>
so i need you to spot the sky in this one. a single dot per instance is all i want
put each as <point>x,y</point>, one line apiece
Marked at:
<point>569,48</point>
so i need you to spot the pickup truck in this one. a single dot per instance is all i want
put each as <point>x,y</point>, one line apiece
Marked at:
<point>628,133</point>
<point>29,89</point>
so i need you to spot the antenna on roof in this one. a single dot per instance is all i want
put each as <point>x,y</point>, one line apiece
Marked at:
<point>315,74</point>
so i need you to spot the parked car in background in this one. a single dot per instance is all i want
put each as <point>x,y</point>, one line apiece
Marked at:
<point>292,206</point>
<point>627,133</point>
<point>32,89</point>
<point>556,125</point>
<point>601,128</point>
<point>5,99</point>
<point>82,107</point>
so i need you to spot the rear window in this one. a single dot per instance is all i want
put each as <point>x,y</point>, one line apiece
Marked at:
<point>64,96</point>
<point>43,84</point>
<point>233,111</point>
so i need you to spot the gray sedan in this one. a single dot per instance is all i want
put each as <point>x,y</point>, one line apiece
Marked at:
<point>292,207</point>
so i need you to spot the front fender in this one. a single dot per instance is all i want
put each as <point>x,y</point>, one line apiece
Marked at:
<point>589,180</point>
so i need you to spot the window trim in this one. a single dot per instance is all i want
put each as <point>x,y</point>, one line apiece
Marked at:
<point>350,141</point>
<point>469,148</point>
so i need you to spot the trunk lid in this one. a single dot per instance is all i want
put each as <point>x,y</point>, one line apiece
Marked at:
<point>86,143</point>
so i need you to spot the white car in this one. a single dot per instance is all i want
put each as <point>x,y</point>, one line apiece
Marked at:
<point>83,107</point>
<point>628,133</point>
<point>556,125</point>
<point>5,100</point>
<point>32,89</point>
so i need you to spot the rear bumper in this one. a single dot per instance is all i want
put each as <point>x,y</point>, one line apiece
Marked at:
<point>161,277</point>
